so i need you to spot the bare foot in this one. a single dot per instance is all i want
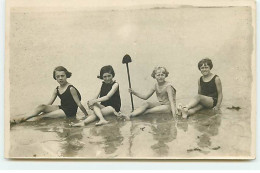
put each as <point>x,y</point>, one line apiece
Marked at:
<point>184,112</point>
<point>179,108</point>
<point>101,122</point>
<point>118,114</point>
<point>79,124</point>
<point>127,116</point>
<point>83,118</point>
<point>17,120</point>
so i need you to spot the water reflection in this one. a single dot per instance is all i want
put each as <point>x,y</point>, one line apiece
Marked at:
<point>111,136</point>
<point>182,124</point>
<point>69,138</point>
<point>207,122</point>
<point>163,133</point>
<point>161,126</point>
<point>149,135</point>
<point>71,142</point>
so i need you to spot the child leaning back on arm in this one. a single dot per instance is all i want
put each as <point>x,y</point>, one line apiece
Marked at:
<point>68,94</point>
<point>209,91</point>
<point>165,92</point>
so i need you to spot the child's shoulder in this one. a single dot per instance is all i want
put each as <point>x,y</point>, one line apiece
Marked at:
<point>212,77</point>
<point>170,85</point>
<point>115,83</point>
<point>166,85</point>
<point>217,78</point>
<point>70,86</point>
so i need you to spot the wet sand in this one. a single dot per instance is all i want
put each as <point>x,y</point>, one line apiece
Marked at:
<point>153,136</point>
<point>84,41</point>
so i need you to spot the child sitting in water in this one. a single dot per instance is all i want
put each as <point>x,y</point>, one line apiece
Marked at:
<point>107,101</point>
<point>165,93</point>
<point>69,95</point>
<point>209,92</point>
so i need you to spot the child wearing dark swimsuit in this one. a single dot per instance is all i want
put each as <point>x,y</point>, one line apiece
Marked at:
<point>115,100</point>
<point>209,92</point>
<point>107,101</point>
<point>210,89</point>
<point>69,95</point>
<point>68,104</point>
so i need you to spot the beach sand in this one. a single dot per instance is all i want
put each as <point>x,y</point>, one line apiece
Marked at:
<point>84,41</point>
<point>152,136</point>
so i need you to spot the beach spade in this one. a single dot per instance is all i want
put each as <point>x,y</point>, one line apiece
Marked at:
<point>127,59</point>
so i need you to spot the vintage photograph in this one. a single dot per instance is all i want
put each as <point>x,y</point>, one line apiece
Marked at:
<point>130,79</point>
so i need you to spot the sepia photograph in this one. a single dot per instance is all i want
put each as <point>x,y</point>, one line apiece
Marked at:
<point>130,79</point>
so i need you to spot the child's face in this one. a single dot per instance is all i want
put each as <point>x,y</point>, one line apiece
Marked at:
<point>107,77</point>
<point>61,77</point>
<point>160,75</point>
<point>205,69</point>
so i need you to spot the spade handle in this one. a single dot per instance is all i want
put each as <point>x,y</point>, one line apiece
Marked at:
<point>130,86</point>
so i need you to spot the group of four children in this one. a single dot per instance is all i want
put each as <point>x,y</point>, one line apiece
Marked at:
<point>108,99</point>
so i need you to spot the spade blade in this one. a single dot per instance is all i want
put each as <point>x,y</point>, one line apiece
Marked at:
<point>126,59</point>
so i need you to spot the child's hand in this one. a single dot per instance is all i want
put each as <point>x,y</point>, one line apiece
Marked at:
<point>91,103</point>
<point>216,108</point>
<point>130,90</point>
<point>90,107</point>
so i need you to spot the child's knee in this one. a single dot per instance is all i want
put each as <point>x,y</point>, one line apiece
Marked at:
<point>92,117</point>
<point>146,105</point>
<point>41,107</point>
<point>198,97</point>
<point>95,105</point>
<point>111,108</point>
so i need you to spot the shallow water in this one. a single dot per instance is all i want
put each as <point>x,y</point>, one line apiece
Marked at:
<point>84,41</point>
<point>205,134</point>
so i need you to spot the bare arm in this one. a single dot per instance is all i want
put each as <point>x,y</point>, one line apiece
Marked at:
<point>142,96</point>
<point>199,88</point>
<point>219,90</point>
<point>98,93</point>
<point>53,97</point>
<point>106,97</point>
<point>76,99</point>
<point>172,98</point>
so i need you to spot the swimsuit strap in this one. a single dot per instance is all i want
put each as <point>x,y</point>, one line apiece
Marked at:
<point>171,85</point>
<point>201,80</point>
<point>168,84</point>
<point>57,88</point>
<point>111,83</point>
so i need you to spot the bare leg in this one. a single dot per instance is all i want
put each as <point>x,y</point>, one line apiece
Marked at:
<point>193,102</point>
<point>159,109</point>
<point>191,111</point>
<point>54,114</point>
<point>140,110</point>
<point>143,109</point>
<point>197,103</point>
<point>195,109</point>
<point>98,113</point>
<point>38,110</point>
<point>89,119</point>
<point>200,99</point>
<point>106,111</point>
